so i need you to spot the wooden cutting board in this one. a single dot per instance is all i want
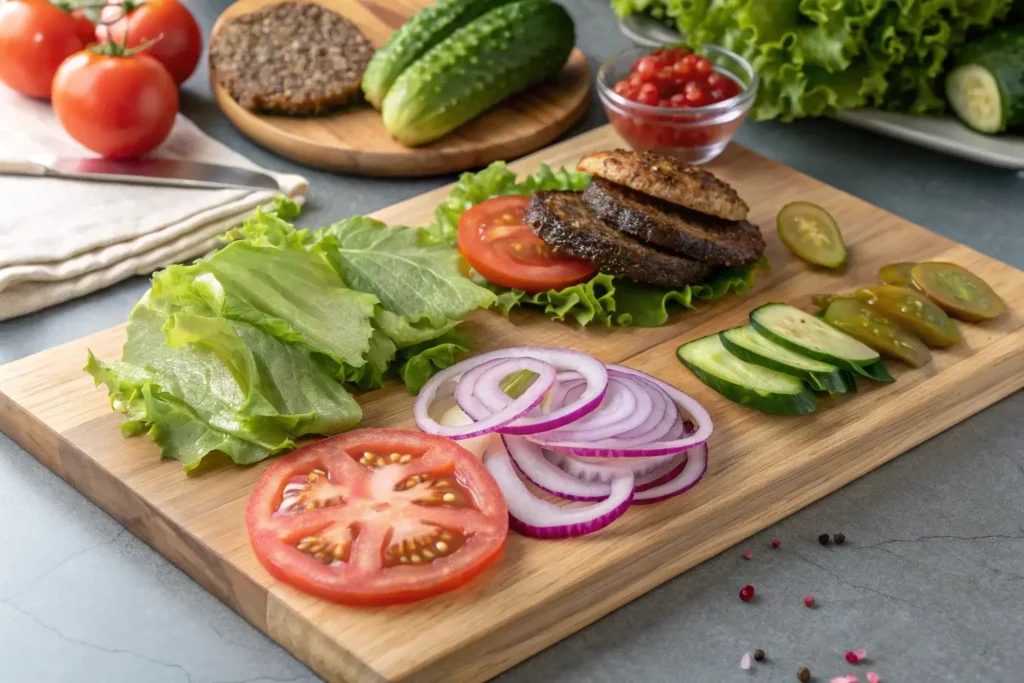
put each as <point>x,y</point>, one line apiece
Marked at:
<point>762,468</point>
<point>354,139</point>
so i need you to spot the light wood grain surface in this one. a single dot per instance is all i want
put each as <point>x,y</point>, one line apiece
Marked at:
<point>762,468</point>
<point>354,139</point>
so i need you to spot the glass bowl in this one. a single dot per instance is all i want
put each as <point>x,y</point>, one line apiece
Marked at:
<point>693,135</point>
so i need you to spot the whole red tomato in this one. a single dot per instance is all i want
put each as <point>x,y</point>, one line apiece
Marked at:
<point>180,41</point>
<point>115,104</point>
<point>35,37</point>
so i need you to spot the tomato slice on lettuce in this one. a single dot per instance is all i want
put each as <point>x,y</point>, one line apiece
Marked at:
<point>497,243</point>
<point>377,517</point>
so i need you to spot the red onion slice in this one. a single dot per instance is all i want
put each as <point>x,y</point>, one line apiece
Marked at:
<point>661,411</point>
<point>592,370</point>
<point>692,472</point>
<point>581,431</point>
<point>529,459</point>
<point>532,516</point>
<point>474,406</point>
<point>606,469</point>
<point>626,406</point>
<point>480,388</point>
<point>513,411</point>
<point>663,474</point>
<point>641,446</point>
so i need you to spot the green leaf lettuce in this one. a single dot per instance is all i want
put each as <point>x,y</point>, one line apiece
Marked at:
<point>258,344</point>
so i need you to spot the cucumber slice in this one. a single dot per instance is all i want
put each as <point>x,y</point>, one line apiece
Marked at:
<point>986,84</point>
<point>974,94</point>
<point>748,345</point>
<point>745,383</point>
<point>811,336</point>
<point>877,372</point>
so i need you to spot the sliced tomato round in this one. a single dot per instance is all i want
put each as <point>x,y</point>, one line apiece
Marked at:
<point>500,246</point>
<point>377,517</point>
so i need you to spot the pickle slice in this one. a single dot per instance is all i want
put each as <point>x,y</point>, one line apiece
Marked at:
<point>897,274</point>
<point>958,291</point>
<point>913,311</point>
<point>870,327</point>
<point>811,234</point>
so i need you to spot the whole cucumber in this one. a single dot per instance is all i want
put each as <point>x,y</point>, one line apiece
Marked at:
<point>502,53</point>
<point>986,85</point>
<point>424,30</point>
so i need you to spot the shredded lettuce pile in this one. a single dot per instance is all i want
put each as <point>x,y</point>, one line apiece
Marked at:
<point>818,57</point>
<point>258,344</point>
<point>603,299</point>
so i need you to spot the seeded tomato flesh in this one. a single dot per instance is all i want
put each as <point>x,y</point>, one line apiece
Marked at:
<point>377,517</point>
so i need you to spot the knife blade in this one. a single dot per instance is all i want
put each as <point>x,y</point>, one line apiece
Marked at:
<point>164,172</point>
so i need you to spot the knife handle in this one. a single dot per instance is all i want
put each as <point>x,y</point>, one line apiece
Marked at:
<point>8,167</point>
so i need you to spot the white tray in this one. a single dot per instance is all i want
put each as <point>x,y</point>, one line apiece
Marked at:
<point>944,134</point>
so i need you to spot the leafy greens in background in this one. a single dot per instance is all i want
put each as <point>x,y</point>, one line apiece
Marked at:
<point>252,347</point>
<point>818,57</point>
<point>603,299</point>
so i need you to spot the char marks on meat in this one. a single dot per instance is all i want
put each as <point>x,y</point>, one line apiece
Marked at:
<point>563,220</point>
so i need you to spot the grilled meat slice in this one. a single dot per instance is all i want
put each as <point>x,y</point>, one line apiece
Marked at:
<point>565,222</point>
<point>672,181</point>
<point>703,238</point>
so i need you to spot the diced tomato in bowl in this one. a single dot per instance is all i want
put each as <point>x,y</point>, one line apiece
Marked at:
<point>675,101</point>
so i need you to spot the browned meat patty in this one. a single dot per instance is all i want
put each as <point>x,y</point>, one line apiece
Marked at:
<point>688,186</point>
<point>703,238</point>
<point>565,222</point>
<point>294,58</point>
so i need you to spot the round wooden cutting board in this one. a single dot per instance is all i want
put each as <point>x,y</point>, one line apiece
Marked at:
<point>354,140</point>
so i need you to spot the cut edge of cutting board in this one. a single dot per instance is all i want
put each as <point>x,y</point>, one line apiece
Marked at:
<point>354,140</point>
<point>48,406</point>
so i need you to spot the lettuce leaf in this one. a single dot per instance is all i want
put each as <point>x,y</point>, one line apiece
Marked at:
<point>611,301</point>
<point>421,362</point>
<point>604,299</point>
<point>247,350</point>
<point>200,384</point>
<point>818,57</point>
<point>414,276</point>
<point>290,293</point>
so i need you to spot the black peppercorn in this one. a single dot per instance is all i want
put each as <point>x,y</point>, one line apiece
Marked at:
<point>823,539</point>
<point>758,655</point>
<point>839,539</point>
<point>803,674</point>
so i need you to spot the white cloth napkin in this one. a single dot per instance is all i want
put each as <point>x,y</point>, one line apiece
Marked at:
<point>62,239</point>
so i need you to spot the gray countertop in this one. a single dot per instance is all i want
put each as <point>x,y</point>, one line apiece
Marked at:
<point>930,580</point>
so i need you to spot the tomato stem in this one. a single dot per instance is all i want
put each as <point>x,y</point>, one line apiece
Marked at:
<point>113,49</point>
